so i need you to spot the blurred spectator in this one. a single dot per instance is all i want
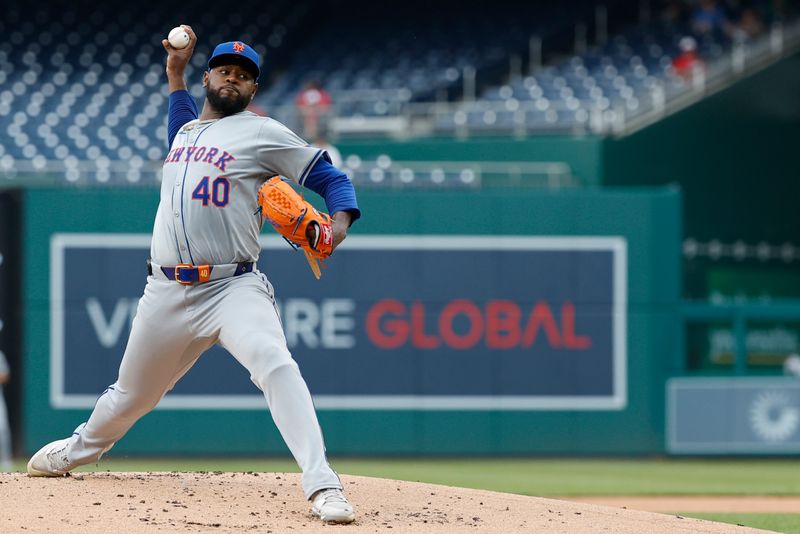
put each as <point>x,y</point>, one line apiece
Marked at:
<point>749,25</point>
<point>687,61</point>
<point>708,17</point>
<point>5,429</point>
<point>333,152</point>
<point>314,104</point>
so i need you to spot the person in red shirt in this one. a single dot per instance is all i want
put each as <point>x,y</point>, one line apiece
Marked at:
<point>314,104</point>
<point>686,63</point>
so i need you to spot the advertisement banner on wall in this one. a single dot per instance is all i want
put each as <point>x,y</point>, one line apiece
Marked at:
<point>396,322</point>
<point>733,415</point>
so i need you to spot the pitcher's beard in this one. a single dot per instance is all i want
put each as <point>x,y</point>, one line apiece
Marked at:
<point>226,105</point>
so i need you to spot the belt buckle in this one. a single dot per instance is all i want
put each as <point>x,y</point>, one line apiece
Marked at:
<point>178,269</point>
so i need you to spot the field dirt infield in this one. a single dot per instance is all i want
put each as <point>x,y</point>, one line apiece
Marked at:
<point>127,503</point>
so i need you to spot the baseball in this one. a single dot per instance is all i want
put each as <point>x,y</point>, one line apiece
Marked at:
<point>178,37</point>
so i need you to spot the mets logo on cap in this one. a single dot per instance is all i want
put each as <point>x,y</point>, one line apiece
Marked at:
<point>238,47</point>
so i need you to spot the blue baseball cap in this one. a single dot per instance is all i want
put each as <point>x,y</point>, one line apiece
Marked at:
<point>236,52</point>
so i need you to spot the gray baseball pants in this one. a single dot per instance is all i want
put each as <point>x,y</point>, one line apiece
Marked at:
<point>174,325</point>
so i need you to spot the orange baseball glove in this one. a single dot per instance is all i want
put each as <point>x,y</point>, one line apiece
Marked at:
<point>297,221</point>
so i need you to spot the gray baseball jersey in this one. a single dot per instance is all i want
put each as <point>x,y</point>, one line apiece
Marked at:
<point>210,184</point>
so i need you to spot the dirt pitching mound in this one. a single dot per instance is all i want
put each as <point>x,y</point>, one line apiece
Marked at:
<point>273,502</point>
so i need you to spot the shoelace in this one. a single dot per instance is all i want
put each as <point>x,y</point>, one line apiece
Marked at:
<point>58,458</point>
<point>332,495</point>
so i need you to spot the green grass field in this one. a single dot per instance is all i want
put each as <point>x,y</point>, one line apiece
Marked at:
<point>544,477</point>
<point>788,523</point>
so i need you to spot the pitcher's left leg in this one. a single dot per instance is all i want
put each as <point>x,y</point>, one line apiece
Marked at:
<point>255,338</point>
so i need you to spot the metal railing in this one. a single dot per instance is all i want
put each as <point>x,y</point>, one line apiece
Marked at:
<point>381,173</point>
<point>71,171</point>
<point>384,172</point>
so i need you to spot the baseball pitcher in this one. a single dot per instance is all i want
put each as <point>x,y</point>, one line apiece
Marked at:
<point>203,287</point>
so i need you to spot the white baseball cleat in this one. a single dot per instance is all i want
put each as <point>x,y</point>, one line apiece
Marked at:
<point>51,460</point>
<point>331,506</point>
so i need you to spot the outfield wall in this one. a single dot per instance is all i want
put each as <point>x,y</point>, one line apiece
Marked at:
<point>449,323</point>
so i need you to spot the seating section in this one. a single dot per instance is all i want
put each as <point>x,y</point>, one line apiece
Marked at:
<point>83,90</point>
<point>420,46</point>
<point>627,75</point>
<point>377,62</point>
<point>79,85</point>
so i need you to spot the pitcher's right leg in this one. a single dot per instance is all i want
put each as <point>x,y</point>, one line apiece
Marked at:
<point>139,388</point>
<point>160,347</point>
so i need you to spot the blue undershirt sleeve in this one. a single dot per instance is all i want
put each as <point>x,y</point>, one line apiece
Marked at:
<point>181,109</point>
<point>334,186</point>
